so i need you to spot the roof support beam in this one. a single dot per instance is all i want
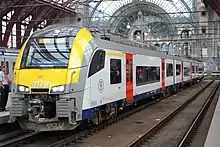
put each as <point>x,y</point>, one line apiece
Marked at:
<point>10,26</point>
<point>0,31</point>
<point>35,21</point>
<point>9,8</point>
<point>18,34</point>
<point>28,29</point>
<point>215,4</point>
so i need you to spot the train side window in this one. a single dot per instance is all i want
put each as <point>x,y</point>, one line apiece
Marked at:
<point>193,69</point>
<point>169,69</point>
<point>7,67</point>
<point>147,74</point>
<point>115,71</point>
<point>178,69</point>
<point>97,63</point>
<point>131,70</point>
<point>186,71</point>
<point>2,63</point>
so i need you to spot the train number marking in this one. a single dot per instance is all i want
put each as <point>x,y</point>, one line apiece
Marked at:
<point>55,126</point>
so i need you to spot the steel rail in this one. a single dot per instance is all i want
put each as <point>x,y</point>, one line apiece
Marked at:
<point>18,140</point>
<point>153,130</point>
<point>85,133</point>
<point>186,140</point>
<point>94,129</point>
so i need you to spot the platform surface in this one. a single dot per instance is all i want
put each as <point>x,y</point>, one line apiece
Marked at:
<point>4,116</point>
<point>212,139</point>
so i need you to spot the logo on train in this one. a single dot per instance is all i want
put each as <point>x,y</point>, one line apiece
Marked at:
<point>101,86</point>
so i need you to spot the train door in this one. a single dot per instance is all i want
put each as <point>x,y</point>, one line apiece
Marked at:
<point>191,71</point>
<point>129,77</point>
<point>163,73</point>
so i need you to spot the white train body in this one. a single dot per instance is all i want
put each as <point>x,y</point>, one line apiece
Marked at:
<point>100,92</point>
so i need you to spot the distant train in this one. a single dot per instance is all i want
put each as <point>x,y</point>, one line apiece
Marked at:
<point>64,75</point>
<point>8,58</point>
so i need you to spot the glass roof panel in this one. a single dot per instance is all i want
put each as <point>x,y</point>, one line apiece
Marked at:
<point>173,7</point>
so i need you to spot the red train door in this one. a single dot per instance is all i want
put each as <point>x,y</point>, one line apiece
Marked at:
<point>129,77</point>
<point>163,73</point>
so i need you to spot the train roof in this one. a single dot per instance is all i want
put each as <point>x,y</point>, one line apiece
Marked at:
<point>57,30</point>
<point>72,30</point>
<point>135,50</point>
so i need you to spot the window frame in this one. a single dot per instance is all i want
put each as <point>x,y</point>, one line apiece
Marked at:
<point>148,72</point>
<point>179,69</point>
<point>90,73</point>
<point>168,72</point>
<point>120,71</point>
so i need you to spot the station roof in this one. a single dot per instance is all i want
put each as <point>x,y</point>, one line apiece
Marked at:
<point>159,15</point>
<point>30,13</point>
<point>215,4</point>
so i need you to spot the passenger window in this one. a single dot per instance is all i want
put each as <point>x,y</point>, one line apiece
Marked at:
<point>193,69</point>
<point>97,63</point>
<point>7,67</point>
<point>115,71</point>
<point>186,71</point>
<point>13,66</point>
<point>178,69</point>
<point>131,70</point>
<point>169,69</point>
<point>147,74</point>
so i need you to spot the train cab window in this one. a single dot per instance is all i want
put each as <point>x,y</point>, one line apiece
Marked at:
<point>169,69</point>
<point>7,67</point>
<point>178,69</point>
<point>97,63</point>
<point>115,71</point>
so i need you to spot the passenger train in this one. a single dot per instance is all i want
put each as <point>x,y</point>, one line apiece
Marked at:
<point>64,75</point>
<point>8,58</point>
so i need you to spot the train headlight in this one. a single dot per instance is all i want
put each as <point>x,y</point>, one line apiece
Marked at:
<point>56,89</point>
<point>22,88</point>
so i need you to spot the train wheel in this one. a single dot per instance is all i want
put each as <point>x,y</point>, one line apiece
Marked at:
<point>97,118</point>
<point>169,92</point>
<point>175,89</point>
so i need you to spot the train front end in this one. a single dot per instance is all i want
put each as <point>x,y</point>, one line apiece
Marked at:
<point>49,79</point>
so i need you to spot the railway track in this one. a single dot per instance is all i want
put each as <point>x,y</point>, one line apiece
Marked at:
<point>148,136</point>
<point>17,138</point>
<point>70,138</point>
<point>29,137</point>
<point>86,133</point>
<point>8,127</point>
<point>190,134</point>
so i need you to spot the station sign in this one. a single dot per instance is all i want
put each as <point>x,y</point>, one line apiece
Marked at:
<point>2,52</point>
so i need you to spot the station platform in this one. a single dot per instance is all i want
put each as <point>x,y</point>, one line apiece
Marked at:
<point>4,116</point>
<point>212,139</point>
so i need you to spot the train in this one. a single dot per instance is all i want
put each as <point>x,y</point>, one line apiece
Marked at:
<point>65,75</point>
<point>8,58</point>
